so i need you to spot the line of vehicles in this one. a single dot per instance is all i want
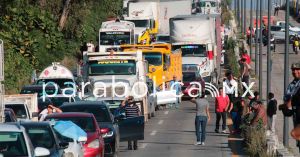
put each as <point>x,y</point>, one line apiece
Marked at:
<point>138,55</point>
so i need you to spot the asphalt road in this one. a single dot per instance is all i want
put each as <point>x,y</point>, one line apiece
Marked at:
<point>172,133</point>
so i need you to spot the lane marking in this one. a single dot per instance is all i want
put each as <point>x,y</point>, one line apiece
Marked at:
<point>166,112</point>
<point>144,145</point>
<point>160,122</point>
<point>153,133</point>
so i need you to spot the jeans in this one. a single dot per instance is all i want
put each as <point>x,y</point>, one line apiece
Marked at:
<point>200,124</point>
<point>271,123</point>
<point>236,120</point>
<point>219,116</point>
<point>130,144</point>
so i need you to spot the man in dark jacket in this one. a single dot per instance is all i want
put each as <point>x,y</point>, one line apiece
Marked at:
<point>271,112</point>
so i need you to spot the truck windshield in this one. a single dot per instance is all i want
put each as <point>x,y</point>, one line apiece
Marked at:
<point>12,144</point>
<point>141,23</point>
<point>114,38</point>
<point>153,58</point>
<point>191,50</point>
<point>189,76</point>
<point>112,67</point>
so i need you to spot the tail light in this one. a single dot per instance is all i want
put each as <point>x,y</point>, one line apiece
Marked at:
<point>106,132</point>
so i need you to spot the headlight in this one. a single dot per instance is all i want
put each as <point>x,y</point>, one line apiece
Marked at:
<point>106,132</point>
<point>94,144</point>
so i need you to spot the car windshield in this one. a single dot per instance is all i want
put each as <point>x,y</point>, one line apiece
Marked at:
<point>153,58</point>
<point>192,50</point>
<point>62,83</point>
<point>12,144</point>
<point>41,136</point>
<point>113,104</point>
<point>189,68</point>
<point>19,110</point>
<point>114,38</point>
<point>163,39</point>
<point>112,67</point>
<point>85,123</point>
<point>100,112</point>
<point>189,77</point>
<point>141,23</point>
<point>39,91</point>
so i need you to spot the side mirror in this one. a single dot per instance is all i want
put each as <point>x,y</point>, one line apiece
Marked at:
<point>82,139</point>
<point>35,114</point>
<point>40,151</point>
<point>63,145</point>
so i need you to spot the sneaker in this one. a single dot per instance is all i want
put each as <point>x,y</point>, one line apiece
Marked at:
<point>202,143</point>
<point>224,131</point>
<point>198,143</point>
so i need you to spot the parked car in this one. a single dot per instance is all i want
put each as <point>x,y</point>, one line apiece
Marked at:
<point>94,145</point>
<point>56,100</point>
<point>291,27</point>
<point>9,115</point>
<point>279,35</point>
<point>14,142</point>
<point>42,134</point>
<point>113,129</point>
<point>189,88</point>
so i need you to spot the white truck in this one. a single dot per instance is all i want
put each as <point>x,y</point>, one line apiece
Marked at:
<point>145,17</point>
<point>114,33</point>
<point>60,75</point>
<point>118,74</point>
<point>25,106</point>
<point>206,7</point>
<point>196,36</point>
<point>169,9</point>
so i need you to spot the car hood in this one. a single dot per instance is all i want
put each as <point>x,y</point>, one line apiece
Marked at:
<point>295,29</point>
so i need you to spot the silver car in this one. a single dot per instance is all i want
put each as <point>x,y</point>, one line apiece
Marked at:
<point>14,141</point>
<point>279,34</point>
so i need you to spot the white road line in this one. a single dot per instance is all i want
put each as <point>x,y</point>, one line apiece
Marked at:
<point>166,112</point>
<point>144,145</point>
<point>153,133</point>
<point>160,122</point>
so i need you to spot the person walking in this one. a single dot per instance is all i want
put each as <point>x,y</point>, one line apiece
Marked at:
<point>291,106</point>
<point>271,112</point>
<point>202,118</point>
<point>131,110</point>
<point>222,103</point>
<point>175,85</point>
<point>245,72</point>
<point>276,9</point>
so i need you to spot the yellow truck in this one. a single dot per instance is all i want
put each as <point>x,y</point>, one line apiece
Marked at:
<point>163,62</point>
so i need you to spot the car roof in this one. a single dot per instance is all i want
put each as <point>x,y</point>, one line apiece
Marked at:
<point>38,87</point>
<point>80,103</point>
<point>69,115</point>
<point>11,127</point>
<point>36,124</point>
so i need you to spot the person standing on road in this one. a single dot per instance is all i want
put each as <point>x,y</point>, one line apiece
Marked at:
<point>271,112</point>
<point>131,110</point>
<point>202,118</point>
<point>175,85</point>
<point>291,106</point>
<point>222,104</point>
<point>276,9</point>
<point>230,82</point>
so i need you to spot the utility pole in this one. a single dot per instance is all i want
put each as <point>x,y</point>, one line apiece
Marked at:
<point>238,13</point>
<point>269,50</point>
<point>256,39</point>
<point>251,26</point>
<point>242,17</point>
<point>245,17</point>
<point>286,71</point>
<point>260,48</point>
<point>2,117</point>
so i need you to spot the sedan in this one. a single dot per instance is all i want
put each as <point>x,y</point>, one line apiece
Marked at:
<point>94,145</point>
<point>189,89</point>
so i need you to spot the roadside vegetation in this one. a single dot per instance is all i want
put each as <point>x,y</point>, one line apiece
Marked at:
<point>38,32</point>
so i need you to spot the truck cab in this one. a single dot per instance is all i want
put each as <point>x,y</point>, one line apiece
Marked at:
<point>118,74</point>
<point>145,17</point>
<point>114,33</point>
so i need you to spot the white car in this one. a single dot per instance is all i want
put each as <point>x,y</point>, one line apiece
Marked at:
<point>291,27</point>
<point>14,141</point>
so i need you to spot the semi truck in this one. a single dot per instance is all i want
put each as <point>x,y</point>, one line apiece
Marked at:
<point>118,74</point>
<point>206,7</point>
<point>199,38</point>
<point>145,17</point>
<point>114,33</point>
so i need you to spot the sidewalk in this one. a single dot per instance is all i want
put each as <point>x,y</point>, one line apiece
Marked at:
<point>277,81</point>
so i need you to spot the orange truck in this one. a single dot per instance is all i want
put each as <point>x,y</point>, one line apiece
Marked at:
<point>264,20</point>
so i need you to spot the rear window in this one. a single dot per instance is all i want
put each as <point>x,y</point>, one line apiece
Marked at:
<point>12,144</point>
<point>39,91</point>
<point>100,112</point>
<point>274,28</point>
<point>19,110</point>
<point>41,136</point>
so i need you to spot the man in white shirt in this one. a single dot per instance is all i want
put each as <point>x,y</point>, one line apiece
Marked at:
<point>50,109</point>
<point>232,84</point>
<point>90,46</point>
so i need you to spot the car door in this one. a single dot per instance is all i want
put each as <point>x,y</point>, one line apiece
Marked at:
<point>131,128</point>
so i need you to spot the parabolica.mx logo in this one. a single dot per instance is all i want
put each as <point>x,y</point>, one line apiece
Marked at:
<point>140,89</point>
